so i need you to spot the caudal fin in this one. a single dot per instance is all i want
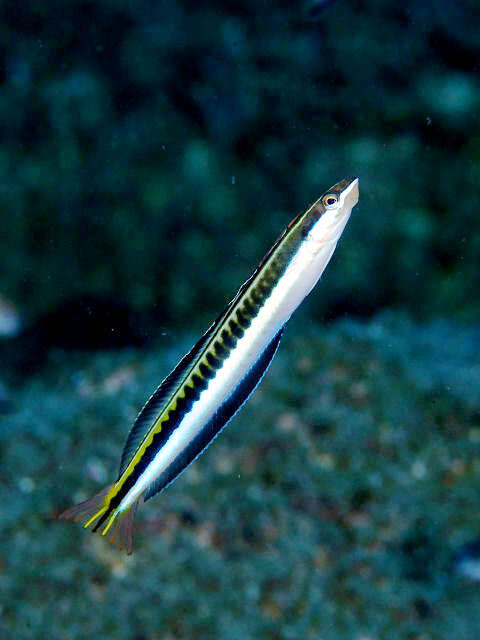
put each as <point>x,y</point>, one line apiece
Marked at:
<point>120,528</point>
<point>91,509</point>
<point>119,524</point>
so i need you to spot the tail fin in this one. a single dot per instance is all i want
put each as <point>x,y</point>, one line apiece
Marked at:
<point>97,507</point>
<point>92,509</point>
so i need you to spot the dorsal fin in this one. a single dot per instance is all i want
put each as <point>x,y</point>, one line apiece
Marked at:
<point>158,401</point>
<point>219,420</point>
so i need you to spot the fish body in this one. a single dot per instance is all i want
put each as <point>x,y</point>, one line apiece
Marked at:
<point>209,385</point>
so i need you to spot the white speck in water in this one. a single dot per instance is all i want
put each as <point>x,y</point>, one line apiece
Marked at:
<point>96,470</point>
<point>470,568</point>
<point>26,484</point>
<point>419,470</point>
<point>233,179</point>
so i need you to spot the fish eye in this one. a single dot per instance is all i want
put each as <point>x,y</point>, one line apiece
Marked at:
<point>330,200</point>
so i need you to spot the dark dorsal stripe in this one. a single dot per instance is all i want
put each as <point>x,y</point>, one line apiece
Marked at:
<point>157,402</point>
<point>236,330</point>
<point>219,420</point>
<point>218,342</point>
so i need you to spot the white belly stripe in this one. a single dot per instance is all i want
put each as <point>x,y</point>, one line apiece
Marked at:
<point>297,281</point>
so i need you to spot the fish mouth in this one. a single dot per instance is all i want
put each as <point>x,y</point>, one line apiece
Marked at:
<point>348,194</point>
<point>348,190</point>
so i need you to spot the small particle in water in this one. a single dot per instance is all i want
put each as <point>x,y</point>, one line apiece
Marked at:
<point>233,179</point>
<point>118,380</point>
<point>466,560</point>
<point>26,484</point>
<point>10,323</point>
<point>96,470</point>
<point>419,470</point>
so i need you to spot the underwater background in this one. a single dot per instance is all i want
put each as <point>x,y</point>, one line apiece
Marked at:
<point>151,152</point>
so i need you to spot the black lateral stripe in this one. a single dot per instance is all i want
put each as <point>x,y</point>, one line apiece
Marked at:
<point>182,403</point>
<point>220,420</point>
<point>243,321</point>
<point>249,307</point>
<point>199,383</point>
<point>228,340</point>
<point>213,361</point>
<point>206,371</point>
<point>175,416</point>
<point>220,350</point>
<point>276,261</point>
<point>235,329</point>
<point>158,402</point>
<point>256,296</point>
<point>265,289</point>
<point>102,519</point>
<point>192,393</point>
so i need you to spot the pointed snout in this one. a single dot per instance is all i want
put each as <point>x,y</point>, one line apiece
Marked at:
<point>349,191</point>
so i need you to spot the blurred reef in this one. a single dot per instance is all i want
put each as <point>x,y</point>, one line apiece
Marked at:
<point>330,508</point>
<point>154,150</point>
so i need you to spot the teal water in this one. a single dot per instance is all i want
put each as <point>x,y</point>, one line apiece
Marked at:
<point>151,153</point>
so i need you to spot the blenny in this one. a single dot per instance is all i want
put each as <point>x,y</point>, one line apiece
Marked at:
<point>210,384</point>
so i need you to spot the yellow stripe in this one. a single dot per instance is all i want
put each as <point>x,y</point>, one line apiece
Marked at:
<point>95,517</point>
<point>154,429</point>
<point>109,523</point>
<point>157,425</point>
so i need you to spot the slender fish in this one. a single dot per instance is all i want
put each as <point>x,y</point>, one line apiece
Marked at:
<point>210,384</point>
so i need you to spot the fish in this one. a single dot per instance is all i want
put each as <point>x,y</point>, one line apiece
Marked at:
<point>214,379</point>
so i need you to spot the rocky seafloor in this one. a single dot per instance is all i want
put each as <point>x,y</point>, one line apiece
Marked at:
<point>332,506</point>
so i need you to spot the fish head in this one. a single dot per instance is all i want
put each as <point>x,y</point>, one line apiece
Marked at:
<point>326,219</point>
